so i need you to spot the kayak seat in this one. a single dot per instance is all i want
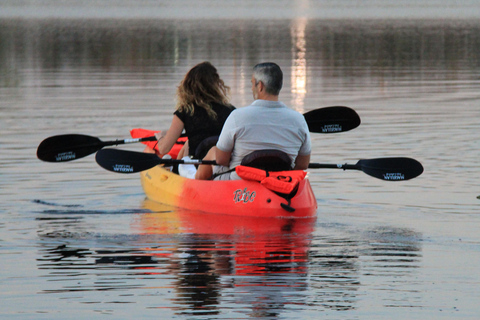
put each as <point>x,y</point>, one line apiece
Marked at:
<point>268,160</point>
<point>204,146</point>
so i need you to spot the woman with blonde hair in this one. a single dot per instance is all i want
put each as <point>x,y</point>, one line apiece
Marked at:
<point>203,105</point>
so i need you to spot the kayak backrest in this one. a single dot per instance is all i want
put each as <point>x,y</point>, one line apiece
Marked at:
<point>269,160</point>
<point>205,146</point>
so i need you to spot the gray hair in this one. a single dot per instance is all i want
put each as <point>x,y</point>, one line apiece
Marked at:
<point>271,76</point>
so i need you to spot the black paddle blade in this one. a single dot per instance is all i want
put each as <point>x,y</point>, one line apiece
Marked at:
<point>391,169</point>
<point>68,147</point>
<point>123,161</point>
<point>332,119</point>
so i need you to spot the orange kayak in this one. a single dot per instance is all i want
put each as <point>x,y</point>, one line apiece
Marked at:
<point>235,197</point>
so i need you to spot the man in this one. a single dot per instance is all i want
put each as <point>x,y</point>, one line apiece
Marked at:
<point>266,124</point>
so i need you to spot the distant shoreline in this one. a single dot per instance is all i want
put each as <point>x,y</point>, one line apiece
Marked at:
<point>265,9</point>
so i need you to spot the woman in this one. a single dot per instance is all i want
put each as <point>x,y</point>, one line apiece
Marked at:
<point>203,105</point>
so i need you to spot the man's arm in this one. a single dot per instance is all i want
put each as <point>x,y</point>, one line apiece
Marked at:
<point>223,157</point>
<point>302,162</point>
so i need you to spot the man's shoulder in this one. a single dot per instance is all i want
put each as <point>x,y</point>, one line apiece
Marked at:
<point>243,110</point>
<point>259,105</point>
<point>293,113</point>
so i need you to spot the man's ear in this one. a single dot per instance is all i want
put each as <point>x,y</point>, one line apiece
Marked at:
<point>261,86</point>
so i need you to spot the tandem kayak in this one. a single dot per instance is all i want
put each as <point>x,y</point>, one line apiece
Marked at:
<point>234,197</point>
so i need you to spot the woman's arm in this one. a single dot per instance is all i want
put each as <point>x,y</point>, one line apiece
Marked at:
<point>167,141</point>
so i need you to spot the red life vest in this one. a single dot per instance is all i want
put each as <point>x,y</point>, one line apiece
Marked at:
<point>278,181</point>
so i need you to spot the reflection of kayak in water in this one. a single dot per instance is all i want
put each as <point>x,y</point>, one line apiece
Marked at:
<point>255,245</point>
<point>235,197</point>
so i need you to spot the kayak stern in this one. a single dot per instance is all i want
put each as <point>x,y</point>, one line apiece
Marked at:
<point>234,197</point>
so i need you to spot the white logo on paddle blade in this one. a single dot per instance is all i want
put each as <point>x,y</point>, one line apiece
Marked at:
<point>394,176</point>
<point>122,168</point>
<point>65,156</point>
<point>331,128</point>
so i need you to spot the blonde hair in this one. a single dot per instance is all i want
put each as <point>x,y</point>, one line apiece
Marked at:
<point>201,86</point>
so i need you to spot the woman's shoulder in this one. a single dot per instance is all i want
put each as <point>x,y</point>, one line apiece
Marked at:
<point>223,110</point>
<point>217,105</point>
<point>180,113</point>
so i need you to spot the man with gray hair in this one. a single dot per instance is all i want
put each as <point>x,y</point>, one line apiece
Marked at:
<point>270,75</point>
<point>266,124</point>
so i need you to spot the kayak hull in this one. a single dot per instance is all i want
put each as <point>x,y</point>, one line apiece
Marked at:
<point>234,197</point>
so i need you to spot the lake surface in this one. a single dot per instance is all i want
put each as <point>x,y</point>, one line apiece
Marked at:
<point>78,241</point>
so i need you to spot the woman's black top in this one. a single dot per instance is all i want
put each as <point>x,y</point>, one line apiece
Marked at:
<point>200,125</point>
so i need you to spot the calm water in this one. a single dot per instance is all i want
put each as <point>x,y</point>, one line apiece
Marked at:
<point>77,241</point>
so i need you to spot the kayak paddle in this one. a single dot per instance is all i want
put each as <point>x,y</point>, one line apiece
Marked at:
<point>389,169</point>
<point>70,147</point>
<point>124,161</point>
<point>332,119</point>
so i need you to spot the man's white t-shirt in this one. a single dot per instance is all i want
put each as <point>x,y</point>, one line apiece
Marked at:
<point>264,125</point>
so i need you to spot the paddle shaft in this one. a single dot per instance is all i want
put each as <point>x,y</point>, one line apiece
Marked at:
<point>127,141</point>
<point>170,162</point>
<point>344,166</point>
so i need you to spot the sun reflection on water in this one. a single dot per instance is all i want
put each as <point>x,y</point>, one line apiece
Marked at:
<point>299,64</point>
